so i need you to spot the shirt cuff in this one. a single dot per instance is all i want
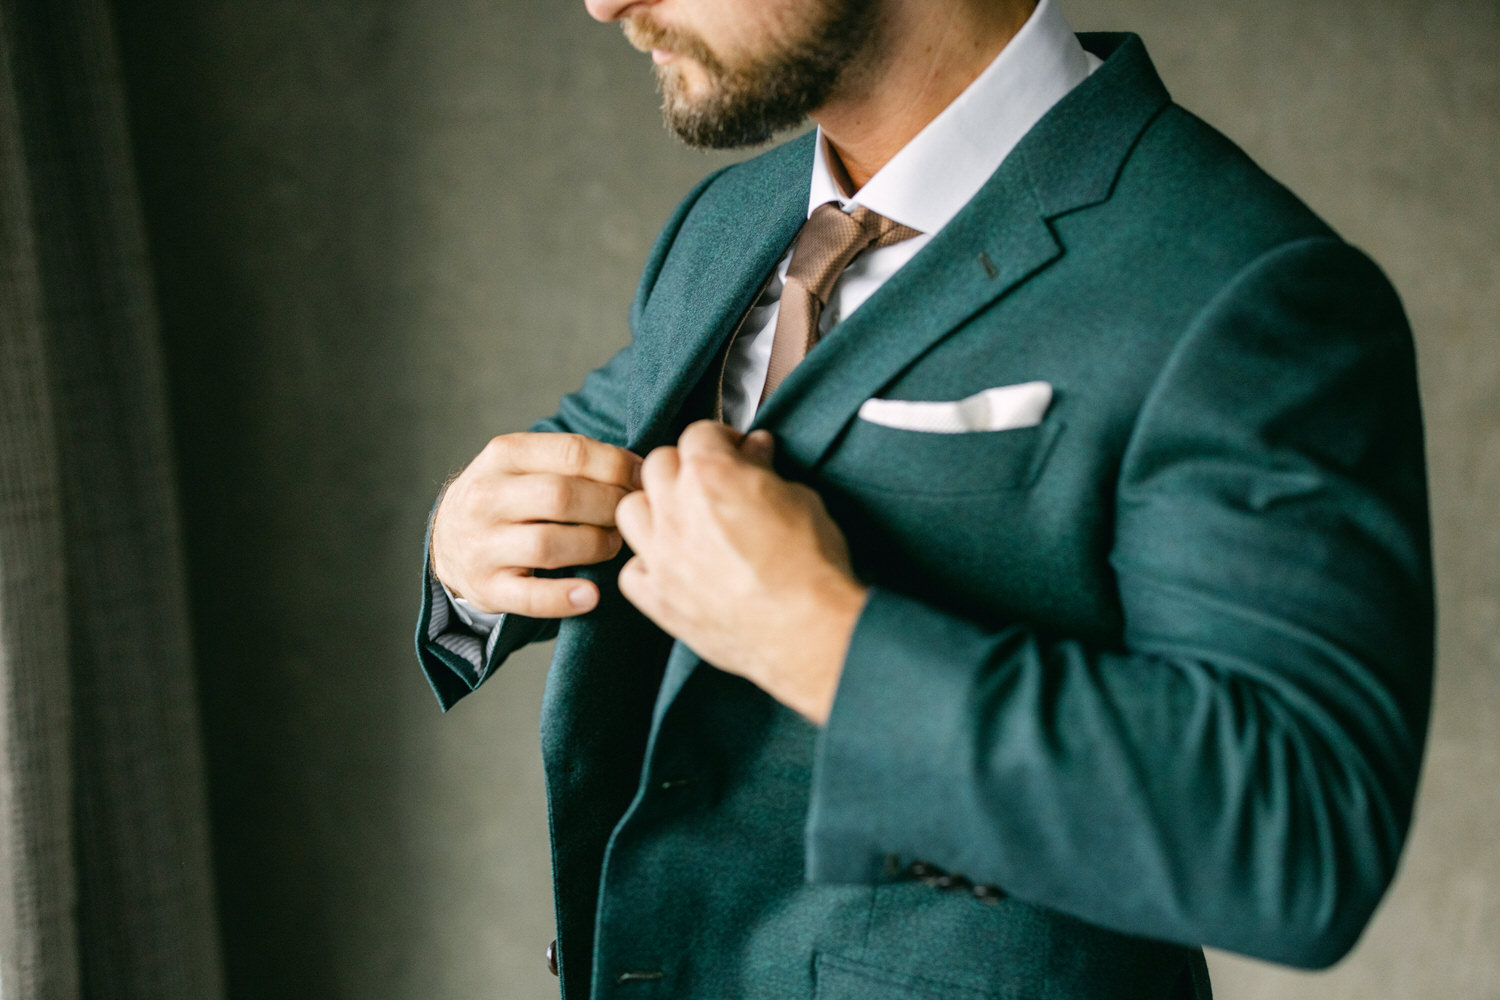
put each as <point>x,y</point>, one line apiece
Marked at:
<point>472,640</point>
<point>482,622</point>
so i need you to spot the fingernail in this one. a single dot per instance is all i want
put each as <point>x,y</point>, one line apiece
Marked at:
<point>581,597</point>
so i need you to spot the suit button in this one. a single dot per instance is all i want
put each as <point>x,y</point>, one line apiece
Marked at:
<point>552,957</point>
<point>991,894</point>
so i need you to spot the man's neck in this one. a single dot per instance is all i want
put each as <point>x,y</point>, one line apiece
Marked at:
<point>923,56</point>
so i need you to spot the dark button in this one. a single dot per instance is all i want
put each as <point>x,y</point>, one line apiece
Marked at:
<point>991,894</point>
<point>552,957</point>
<point>930,874</point>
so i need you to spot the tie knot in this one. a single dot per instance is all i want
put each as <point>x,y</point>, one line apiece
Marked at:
<point>831,239</point>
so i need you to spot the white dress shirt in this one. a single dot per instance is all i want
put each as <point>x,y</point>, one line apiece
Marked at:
<point>923,186</point>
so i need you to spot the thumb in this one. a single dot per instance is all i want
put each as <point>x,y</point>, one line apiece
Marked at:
<point>758,447</point>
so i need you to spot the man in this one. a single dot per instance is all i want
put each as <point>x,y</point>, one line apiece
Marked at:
<point>1065,608</point>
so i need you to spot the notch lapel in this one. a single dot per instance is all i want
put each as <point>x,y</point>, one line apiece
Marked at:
<point>1069,161</point>
<point>994,244</point>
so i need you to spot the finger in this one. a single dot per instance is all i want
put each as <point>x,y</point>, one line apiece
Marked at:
<point>566,455</point>
<point>659,470</point>
<point>635,585</point>
<point>552,546</point>
<point>547,496</point>
<point>633,516</point>
<point>709,437</point>
<point>536,596</point>
<point>759,447</point>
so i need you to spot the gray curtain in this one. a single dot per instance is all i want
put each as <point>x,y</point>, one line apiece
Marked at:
<point>105,887</point>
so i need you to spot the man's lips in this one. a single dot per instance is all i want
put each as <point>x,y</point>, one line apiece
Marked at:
<point>664,44</point>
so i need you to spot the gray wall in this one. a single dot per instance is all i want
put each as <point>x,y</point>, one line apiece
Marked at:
<point>387,230</point>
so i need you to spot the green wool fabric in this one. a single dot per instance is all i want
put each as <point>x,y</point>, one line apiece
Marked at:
<point>1159,667</point>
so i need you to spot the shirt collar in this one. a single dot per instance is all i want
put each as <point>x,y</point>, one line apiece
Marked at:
<point>935,174</point>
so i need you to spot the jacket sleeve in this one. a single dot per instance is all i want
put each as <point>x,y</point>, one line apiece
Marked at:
<point>1239,769</point>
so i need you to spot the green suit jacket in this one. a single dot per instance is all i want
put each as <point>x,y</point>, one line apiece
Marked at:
<point>1158,668</point>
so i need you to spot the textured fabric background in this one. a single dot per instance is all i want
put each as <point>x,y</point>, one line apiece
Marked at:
<point>106,889</point>
<point>384,231</point>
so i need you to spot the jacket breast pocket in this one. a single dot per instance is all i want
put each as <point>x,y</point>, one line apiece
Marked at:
<point>873,458</point>
<point>842,979</point>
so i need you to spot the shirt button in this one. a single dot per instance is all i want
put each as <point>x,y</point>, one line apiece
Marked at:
<point>552,957</point>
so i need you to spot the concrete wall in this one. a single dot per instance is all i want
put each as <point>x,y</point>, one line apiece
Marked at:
<point>386,230</point>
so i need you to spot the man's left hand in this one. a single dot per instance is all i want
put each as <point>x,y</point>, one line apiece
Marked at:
<point>743,566</point>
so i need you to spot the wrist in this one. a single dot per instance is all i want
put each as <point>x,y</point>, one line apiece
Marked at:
<point>817,642</point>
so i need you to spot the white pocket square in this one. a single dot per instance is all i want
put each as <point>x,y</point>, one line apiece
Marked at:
<point>1003,408</point>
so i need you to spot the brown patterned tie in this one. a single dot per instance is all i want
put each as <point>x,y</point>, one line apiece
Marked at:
<point>828,243</point>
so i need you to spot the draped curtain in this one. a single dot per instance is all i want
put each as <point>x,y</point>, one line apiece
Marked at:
<point>105,884</point>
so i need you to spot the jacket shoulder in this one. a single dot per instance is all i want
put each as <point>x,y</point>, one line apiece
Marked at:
<point>1204,186</point>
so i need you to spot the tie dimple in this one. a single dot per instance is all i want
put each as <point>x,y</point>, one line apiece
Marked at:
<point>828,243</point>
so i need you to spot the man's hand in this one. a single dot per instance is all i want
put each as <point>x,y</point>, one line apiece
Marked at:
<point>746,568</point>
<point>529,502</point>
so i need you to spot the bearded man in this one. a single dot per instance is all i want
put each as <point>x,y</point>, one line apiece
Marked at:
<point>1027,577</point>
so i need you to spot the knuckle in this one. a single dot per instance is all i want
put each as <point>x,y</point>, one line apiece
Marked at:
<point>706,435</point>
<point>659,461</point>
<point>711,470</point>
<point>553,494</point>
<point>488,593</point>
<point>571,452</point>
<point>594,546</point>
<point>538,547</point>
<point>497,447</point>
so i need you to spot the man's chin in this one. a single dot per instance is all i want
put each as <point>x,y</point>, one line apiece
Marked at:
<point>697,112</point>
<point>710,130</point>
<point>683,83</point>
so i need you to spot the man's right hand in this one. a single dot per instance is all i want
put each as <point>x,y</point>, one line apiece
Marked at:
<point>529,502</point>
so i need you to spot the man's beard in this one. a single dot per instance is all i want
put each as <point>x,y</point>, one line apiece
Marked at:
<point>746,105</point>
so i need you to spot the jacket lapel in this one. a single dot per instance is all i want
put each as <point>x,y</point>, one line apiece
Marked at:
<point>989,248</point>
<point>738,230</point>
<point>1069,161</point>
